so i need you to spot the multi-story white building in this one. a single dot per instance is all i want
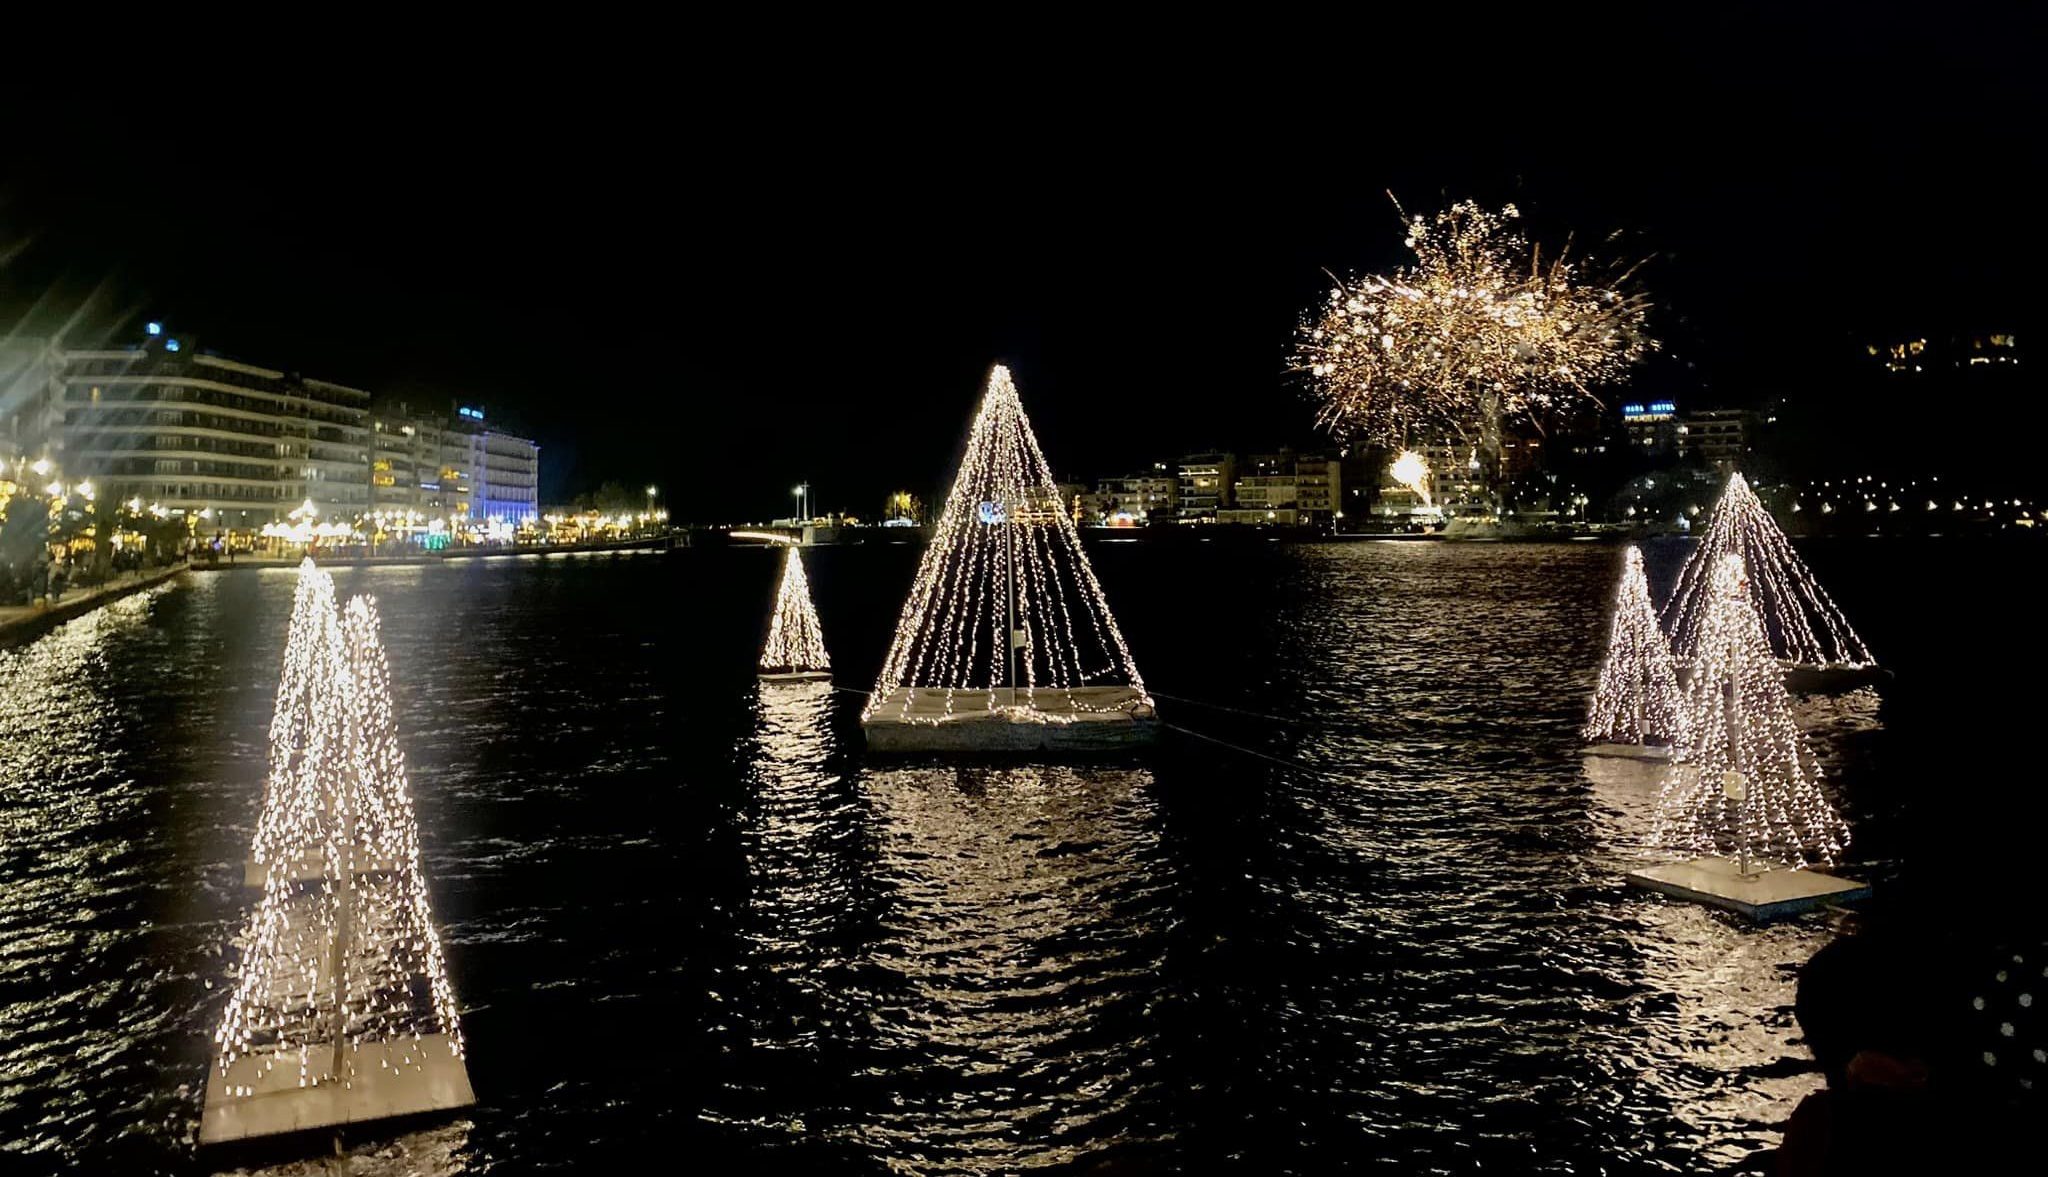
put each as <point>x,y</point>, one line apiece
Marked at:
<point>232,443</point>
<point>1205,483</point>
<point>1287,488</point>
<point>505,478</point>
<point>31,407</point>
<point>1653,426</point>
<point>1135,499</point>
<point>240,446</point>
<point>422,461</point>
<point>1720,438</point>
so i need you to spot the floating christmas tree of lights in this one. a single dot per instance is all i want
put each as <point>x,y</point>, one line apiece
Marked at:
<point>1006,640</point>
<point>284,819</point>
<point>342,1011</point>
<point>796,644</point>
<point>1804,626</point>
<point>1745,796</point>
<point>1637,710</point>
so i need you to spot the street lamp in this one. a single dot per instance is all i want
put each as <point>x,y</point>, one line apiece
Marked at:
<point>651,491</point>
<point>803,506</point>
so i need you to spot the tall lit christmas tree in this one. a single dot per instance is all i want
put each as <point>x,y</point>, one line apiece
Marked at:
<point>796,644</point>
<point>1006,618</point>
<point>1637,702</point>
<point>311,641</point>
<point>342,1010</point>
<point>1746,787</point>
<point>1803,624</point>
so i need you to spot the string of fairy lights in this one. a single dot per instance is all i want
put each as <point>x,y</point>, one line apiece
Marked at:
<point>347,956</point>
<point>1802,622</point>
<point>1746,785</point>
<point>795,640</point>
<point>1477,327</point>
<point>1005,605</point>
<point>1637,700</point>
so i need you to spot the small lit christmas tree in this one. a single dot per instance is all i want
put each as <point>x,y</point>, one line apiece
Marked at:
<point>1803,624</point>
<point>1006,618</point>
<point>1637,701</point>
<point>342,1010</point>
<point>288,815</point>
<point>796,644</point>
<point>1746,786</point>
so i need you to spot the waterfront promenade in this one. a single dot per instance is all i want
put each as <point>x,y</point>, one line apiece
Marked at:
<point>25,623</point>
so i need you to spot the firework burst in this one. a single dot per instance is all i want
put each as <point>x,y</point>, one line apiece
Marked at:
<point>1478,327</point>
<point>1411,470</point>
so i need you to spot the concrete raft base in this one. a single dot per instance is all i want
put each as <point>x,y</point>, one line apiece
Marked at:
<point>1769,892</point>
<point>312,866</point>
<point>795,675</point>
<point>1659,753</point>
<point>1082,719</point>
<point>260,1094</point>
<point>1804,679</point>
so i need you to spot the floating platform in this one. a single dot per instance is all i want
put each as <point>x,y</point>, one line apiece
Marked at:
<point>1767,894</point>
<point>403,1077</point>
<point>795,675</point>
<point>1804,679</point>
<point>307,869</point>
<point>1083,719</point>
<point>1656,753</point>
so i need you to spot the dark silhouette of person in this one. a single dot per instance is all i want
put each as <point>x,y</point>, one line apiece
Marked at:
<point>1865,1008</point>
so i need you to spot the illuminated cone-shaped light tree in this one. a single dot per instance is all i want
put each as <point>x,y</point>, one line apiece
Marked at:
<point>311,641</point>
<point>343,990</point>
<point>1005,614</point>
<point>1637,701</point>
<point>1746,787</point>
<point>1803,624</point>
<point>796,644</point>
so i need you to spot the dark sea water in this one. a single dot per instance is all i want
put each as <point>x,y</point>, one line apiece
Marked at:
<point>685,913</point>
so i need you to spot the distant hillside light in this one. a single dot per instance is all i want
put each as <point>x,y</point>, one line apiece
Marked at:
<point>155,328</point>
<point>170,345</point>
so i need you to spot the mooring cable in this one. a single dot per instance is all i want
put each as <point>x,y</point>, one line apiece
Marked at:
<point>1240,748</point>
<point>1224,707</point>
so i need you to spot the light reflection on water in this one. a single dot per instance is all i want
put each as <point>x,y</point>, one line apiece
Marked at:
<point>1415,949</point>
<point>1014,962</point>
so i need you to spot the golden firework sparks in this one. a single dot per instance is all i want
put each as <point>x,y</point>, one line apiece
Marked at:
<point>1478,327</point>
<point>1412,471</point>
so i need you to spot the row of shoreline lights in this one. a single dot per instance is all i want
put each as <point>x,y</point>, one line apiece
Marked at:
<point>304,528</point>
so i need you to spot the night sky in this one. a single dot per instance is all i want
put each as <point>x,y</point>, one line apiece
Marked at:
<point>729,267</point>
